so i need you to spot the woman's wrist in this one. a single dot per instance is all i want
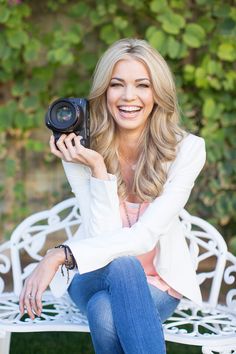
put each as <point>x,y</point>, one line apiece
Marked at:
<point>58,255</point>
<point>100,171</point>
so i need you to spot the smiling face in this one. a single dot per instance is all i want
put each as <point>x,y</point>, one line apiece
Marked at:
<point>129,95</point>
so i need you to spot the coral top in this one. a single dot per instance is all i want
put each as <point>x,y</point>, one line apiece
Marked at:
<point>146,259</point>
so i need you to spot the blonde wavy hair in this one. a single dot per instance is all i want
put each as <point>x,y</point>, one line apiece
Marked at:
<point>162,134</point>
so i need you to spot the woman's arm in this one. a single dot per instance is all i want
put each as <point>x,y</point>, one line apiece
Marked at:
<point>93,187</point>
<point>156,220</point>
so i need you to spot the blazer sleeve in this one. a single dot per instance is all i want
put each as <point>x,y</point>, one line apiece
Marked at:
<point>98,200</point>
<point>94,253</point>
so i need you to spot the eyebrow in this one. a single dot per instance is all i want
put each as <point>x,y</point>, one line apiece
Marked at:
<point>137,80</point>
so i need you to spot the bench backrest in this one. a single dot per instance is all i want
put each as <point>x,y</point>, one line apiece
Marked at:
<point>206,245</point>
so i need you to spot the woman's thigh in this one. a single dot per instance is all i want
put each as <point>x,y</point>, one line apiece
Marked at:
<point>164,303</point>
<point>82,288</point>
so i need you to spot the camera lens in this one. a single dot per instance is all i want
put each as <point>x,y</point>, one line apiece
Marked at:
<point>64,114</point>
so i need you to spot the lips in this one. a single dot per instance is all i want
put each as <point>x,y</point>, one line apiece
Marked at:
<point>129,112</point>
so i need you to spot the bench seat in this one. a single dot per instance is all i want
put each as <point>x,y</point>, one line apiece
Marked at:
<point>213,326</point>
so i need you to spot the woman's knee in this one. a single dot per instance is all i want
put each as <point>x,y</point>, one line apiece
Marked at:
<point>124,265</point>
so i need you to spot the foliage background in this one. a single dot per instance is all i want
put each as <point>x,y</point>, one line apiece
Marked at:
<point>49,49</point>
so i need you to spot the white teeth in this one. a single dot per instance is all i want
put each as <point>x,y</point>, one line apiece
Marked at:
<point>130,108</point>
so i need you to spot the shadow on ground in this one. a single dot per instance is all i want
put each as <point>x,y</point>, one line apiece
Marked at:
<point>73,343</point>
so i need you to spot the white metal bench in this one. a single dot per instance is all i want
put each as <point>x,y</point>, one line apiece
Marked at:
<point>213,327</point>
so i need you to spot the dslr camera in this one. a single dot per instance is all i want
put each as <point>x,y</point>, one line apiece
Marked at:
<point>67,115</point>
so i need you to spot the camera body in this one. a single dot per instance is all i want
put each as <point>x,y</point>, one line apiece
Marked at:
<point>67,115</point>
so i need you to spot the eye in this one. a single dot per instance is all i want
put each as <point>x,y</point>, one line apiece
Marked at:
<point>115,84</point>
<point>144,85</point>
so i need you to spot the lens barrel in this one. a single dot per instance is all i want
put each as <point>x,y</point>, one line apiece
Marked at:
<point>67,115</point>
<point>63,115</point>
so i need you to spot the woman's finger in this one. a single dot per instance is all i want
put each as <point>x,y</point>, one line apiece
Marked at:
<point>32,300</point>
<point>68,141</point>
<point>54,149</point>
<point>27,303</point>
<point>78,144</point>
<point>38,300</point>
<point>63,149</point>
<point>21,302</point>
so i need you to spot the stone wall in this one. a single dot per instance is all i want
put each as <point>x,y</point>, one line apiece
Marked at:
<point>37,183</point>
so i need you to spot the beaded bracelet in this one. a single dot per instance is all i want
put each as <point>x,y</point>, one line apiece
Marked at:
<point>69,263</point>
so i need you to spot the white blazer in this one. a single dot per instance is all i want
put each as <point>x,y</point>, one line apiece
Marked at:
<point>101,237</point>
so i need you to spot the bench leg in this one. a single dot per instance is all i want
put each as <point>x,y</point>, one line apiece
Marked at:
<point>5,339</point>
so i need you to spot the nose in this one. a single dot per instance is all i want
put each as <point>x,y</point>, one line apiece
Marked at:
<point>129,93</point>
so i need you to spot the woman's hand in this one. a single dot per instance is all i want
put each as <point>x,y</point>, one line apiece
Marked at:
<point>77,153</point>
<point>38,281</point>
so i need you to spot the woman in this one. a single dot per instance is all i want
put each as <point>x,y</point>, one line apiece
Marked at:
<point>131,264</point>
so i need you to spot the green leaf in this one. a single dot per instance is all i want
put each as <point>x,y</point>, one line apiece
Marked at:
<point>18,89</point>
<point>129,31</point>
<point>194,35</point>
<point>88,60</point>
<point>221,10</point>
<point>7,113</point>
<point>61,55</point>
<point>172,23</point>
<point>4,14</point>
<point>35,145</point>
<point>228,119</point>
<point>215,83</point>
<point>230,80</point>
<point>5,77</point>
<point>227,52</point>
<point>23,10</point>
<point>209,108</point>
<point>72,37</point>
<point>109,34</point>
<point>207,23</point>
<point>120,22</point>
<point>233,13</point>
<point>29,103</point>
<point>149,31</point>
<point>158,6</point>
<point>189,72</point>
<point>22,121</point>
<point>95,18</point>
<point>37,84</point>
<point>183,52</point>
<point>173,47</point>
<point>214,68</point>
<point>201,78</point>
<point>112,8</point>
<point>158,40</point>
<point>227,27</point>
<point>68,59</point>
<point>17,38</point>
<point>79,10</point>
<point>32,49</point>
<point>5,50</point>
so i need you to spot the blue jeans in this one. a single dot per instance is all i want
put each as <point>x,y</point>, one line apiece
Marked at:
<point>124,312</point>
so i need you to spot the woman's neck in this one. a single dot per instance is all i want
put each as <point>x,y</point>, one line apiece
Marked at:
<point>129,146</point>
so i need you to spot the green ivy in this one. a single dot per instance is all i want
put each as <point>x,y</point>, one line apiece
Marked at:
<point>49,49</point>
